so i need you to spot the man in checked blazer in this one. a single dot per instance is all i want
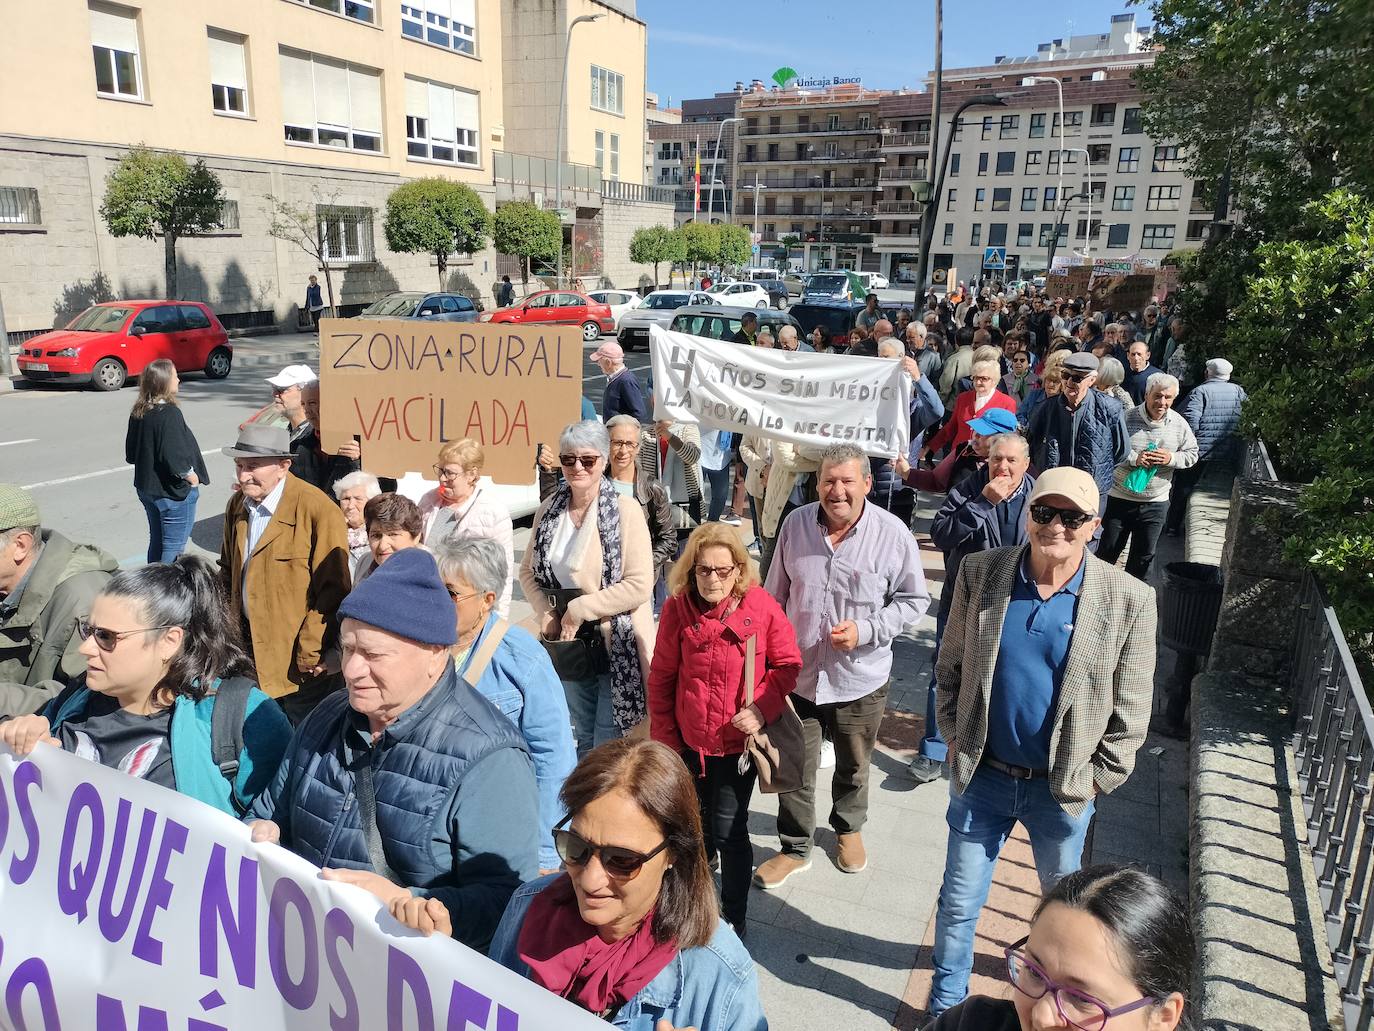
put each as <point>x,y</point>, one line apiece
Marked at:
<point>1045,682</point>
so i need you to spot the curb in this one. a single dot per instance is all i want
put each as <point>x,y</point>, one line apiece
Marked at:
<point>275,358</point>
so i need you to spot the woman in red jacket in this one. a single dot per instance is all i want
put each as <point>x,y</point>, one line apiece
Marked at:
<point>970,405</point>
<point>696,689</point>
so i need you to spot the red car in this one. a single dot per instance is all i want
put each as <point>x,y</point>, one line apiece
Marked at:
<point>558,307</point>
<point>107,343</point>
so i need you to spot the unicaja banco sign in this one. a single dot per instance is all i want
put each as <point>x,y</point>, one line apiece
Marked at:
<point>834,80</point>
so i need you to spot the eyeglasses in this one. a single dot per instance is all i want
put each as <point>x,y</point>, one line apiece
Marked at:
<point>587,462</point>
<point>106,640</point>
<point>624,443</point>
<point>716,572</point>
<point>623,864</point>
<point>445,473</point>
<point>461,597</point>
<point>1077,377</point>
<point>1079,1009</point>
<point>1070,517</point>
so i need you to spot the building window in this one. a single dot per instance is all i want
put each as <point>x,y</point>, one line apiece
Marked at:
<point>1006,162</point>
<point>19,206</point>
<point>1167,159</point>
<point>1119,235</point>
<point>1098,190</point>
<point>599,146</point>
<point>983,163</point>
<point>864,122</point>
<point>1073,123</point>
<point>796,228</point>
<point>1050,198</point>
<point>975,236</point>
<point>1158,238</point>
<point>1131,124</point>
<point>229,215</point>
<point>1099,153</point>
<point>1123,198</point>
<point>346,234</point>
<point>670,151</point>
<point>773,152</point>
<point>1103,114</point>
<point>1033,162</point>
<point>358,10</point>
<point>980,199</point>
<point>451,24</point>
<point>1197,227</point>
<point>1163,198</point>
<point>832,149</point>
<point>442,123</point>
<point>615,155</point>
<point>949,201</point>
<point>954,164</point>
<point>228,74</point>
<point>330,103</point>
<point>987,127</point>
<point>1037,126</point>
<point>1128,159</point>
<point>608,91</point>
<point>1083,227</point>
<point>1029,201</point>
<point>997,234</point>
<point>958,128</point>
<point>1001,199</point>
<point>1025,234</point>
<point>114,44</point>
<point>949,234</point>
<point>1010,123</point>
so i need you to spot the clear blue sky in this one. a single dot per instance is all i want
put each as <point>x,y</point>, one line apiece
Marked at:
<point>699,47</point>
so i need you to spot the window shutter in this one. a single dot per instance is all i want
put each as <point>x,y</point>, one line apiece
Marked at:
<point>331,92</point>
<point>227,64</point>
<point>467,110</point>
<point>297,90</point>
<point>365,99</point>
<point>417,99</point>
<point>113,28</point>
<point>442,119</point>
<point>465,12</point>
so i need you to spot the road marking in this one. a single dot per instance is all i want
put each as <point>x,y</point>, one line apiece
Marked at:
<point>26,440</point>
<point>87,476</point>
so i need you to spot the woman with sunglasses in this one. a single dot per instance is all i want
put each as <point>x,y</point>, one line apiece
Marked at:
<point>717,612</point>
<point>630,931</point>
<point>588,573</point>
<point>458,508</point>
<point>161,649</point>
<point>1109,949</point>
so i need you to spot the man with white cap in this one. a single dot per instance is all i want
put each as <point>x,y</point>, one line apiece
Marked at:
<point>624,395</point>
<point>1213,411</point>
<point>1046,677</point>
<point>287,400</point>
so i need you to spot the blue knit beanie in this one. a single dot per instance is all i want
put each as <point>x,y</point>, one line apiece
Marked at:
<point>405,596</point>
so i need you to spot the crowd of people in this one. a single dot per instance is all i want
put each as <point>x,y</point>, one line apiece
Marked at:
<point>572,798</point>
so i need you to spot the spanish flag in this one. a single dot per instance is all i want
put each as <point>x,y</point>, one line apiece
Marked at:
<point>696,182</point>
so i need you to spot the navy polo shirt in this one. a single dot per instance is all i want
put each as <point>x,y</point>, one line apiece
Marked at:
<point>1030,667</point>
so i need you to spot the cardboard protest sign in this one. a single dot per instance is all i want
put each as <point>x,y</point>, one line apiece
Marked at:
<point>1121,293</point>
<point>810,399</point>
<point>1113,266</point>
<point>1072,282</point>
<point>1166,281</point>
<point>125,905</point>
<point>404,388</point>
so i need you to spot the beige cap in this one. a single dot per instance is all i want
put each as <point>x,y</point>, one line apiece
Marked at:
<point>1073,485</point>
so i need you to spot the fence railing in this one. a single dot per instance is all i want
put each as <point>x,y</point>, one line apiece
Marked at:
<point>1258,468</point>
<point>614,189</point>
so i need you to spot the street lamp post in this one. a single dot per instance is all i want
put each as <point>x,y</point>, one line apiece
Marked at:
<point>1059,221</point>
<point>719,171</point>
<point>1088,171</point>
<point>558,144</point>
<point>1031,80</point>
<point>757,187</point>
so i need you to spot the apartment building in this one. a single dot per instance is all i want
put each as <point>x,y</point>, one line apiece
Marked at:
<point>326,105</point>
<point>655,115</point>
<point>708,127</point>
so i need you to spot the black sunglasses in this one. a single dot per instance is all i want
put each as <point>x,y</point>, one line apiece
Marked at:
<point>106,640</point>
<point>623,864</point>
<point>1070,517</point>
<point>587,462</point>
<point>1077,377</point>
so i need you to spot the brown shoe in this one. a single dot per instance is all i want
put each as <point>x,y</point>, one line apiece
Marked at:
<point>774,873</point>
<point>851,857</point>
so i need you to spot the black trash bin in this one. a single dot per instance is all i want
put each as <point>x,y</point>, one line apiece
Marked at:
<point>1189,606</point>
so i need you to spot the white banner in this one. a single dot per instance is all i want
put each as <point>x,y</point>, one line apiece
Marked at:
<point>811,399</point>
<point>124,906</point>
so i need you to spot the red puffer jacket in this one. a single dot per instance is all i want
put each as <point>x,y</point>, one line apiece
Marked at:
<point>696,680</point>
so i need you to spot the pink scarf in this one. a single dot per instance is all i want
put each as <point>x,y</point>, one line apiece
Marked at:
<point>567,956</point>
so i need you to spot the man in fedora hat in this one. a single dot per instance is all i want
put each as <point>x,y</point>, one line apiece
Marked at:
<point>285,564</point>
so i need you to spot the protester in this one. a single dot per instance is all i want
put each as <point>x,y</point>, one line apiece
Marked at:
<point>889,491</point>
<point>717,468</point>
<point>957,365</point>
<point>168,467</point>
<point>159,657</point>
<point>1212,410</point>
<point>920,345</point>
<point>984,510</point>
<point>717,612</point>
<point>790,470</point>
<point>789,341</point>
<point>629,479</point>
<point>1155,335</point>
<point>849,577</point>
<point>1175,357</point>
<point>960,462</point>
<point>393,523</point>
<point>1020,380</point>
<point>410,783</point>
<point>47,584</point>
<point>671,452</point>
<point>821,342</point>
<point>354,491</point>
<point>983,397</point>
<point>588,573</point>
<point>459,508</point>
<point>1161,444</point>
<point>284,561</point>
<point>1110,375</point>
<point>756,453</point>
<point>288,409</point>
<point>624,394</point>
<point>314,302</point>
<point>857,336</point>
<point>1107,945</point>
<point>764,338</point>
<point>508,665</point>
<point>1138,371</point>
<point>1044,644</point>
<point>748,329</point>
<point>309,461</point>
<point>869,317</point>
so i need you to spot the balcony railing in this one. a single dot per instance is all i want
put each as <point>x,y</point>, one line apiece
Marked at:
<point>542,173</point>
<point>808,129</point>
<point>871,154</point>
<point>904,173</point>
<point>810,182</point>
<point>614,189</point>
<point>899,207</point>
<point>907,139</point>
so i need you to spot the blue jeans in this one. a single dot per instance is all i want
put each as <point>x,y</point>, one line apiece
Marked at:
<point>719,481</point>
<point>589,705</point>
<point>933,745</point>
<point>980,820</point>
<point>169,524</point>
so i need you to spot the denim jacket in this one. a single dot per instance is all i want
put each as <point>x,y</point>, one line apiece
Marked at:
<point>713,986</point>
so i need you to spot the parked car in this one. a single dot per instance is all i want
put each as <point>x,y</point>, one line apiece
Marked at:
<point>796,283</point>
<point>658,308</point>
<point>776,290</point>
<point>875,280</point>
<point>436,307</point>
<point>838,317</point>
<point>721,322</point>
<point>828,286</point>
<point>750,295</point>
<point>557,307</point>
<point>619,301</point>
<point>110,342</point>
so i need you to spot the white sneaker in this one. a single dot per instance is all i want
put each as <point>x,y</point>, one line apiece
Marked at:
<point>827,754</point>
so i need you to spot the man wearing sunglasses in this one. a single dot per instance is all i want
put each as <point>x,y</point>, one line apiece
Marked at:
<point>1045,681</point>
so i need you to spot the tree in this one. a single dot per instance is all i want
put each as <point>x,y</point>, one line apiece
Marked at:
<point>527,232</point>
<point>700,242</point>
<point>152,194</point>
<point>652,245</point>
<point>736,245</point>
<point>305,228</point>
<point>436,216</point>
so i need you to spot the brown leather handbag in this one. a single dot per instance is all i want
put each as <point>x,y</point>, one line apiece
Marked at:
<point>778,750</point>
